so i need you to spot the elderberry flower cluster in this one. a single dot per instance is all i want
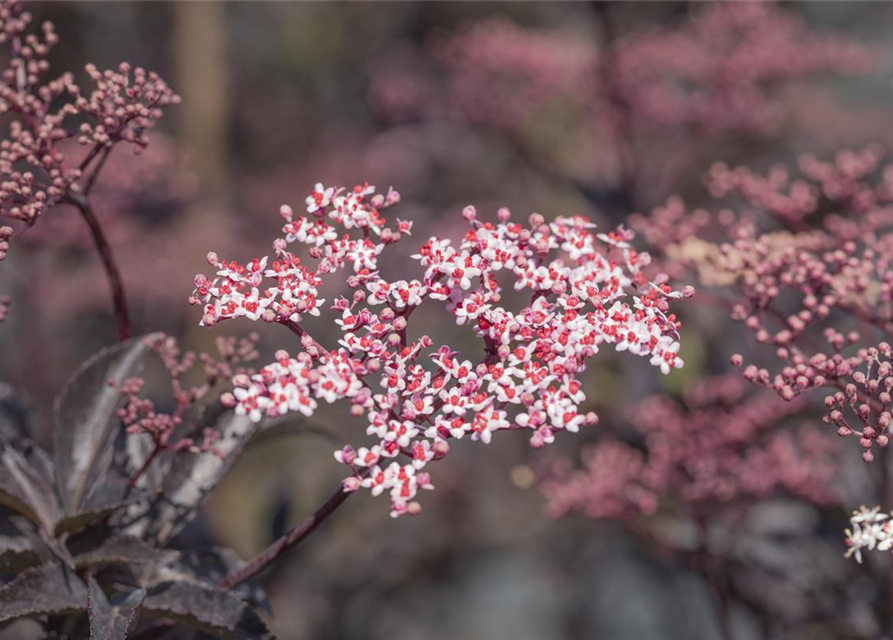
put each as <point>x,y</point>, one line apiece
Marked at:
<point>581,290</point>
<point>38,164</point>
<point>719,445</point>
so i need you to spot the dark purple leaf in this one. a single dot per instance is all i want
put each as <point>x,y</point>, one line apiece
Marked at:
<point>14,413</point>
<point>16,553</point>
<point>125,550</point>
<point>208,565</point>
<point>214,611</point>
<point>86,421</point>
<point>49,589</point>
<point>105,499</point>
<point>28,489</point>
<point>112,622</point>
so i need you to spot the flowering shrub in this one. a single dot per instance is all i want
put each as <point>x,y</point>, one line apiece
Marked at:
<point>718,71</point>
<point>97,516</point>
<point>90,538</point>
<point>720,446</point>
<point>803,263</point>
<point>39,169</point>
<point>585,290</point>
<point>715,71</point>
<point>870,530</point>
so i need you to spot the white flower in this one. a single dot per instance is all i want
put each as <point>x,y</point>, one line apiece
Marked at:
<point>319,198</point>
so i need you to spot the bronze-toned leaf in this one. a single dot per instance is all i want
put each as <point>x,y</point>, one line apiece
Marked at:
<point>125,550</point>
<point>49,589</point>
<point>28,489</point>
<point>85,420</point>
<point>16,553</point>
<point>112,622</point>
<point>214,611</point>
<point>105,499</point>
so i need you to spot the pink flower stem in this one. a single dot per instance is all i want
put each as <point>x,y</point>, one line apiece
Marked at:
<point>91,180</point>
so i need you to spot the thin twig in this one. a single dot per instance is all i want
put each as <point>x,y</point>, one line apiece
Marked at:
<point>96,170</point>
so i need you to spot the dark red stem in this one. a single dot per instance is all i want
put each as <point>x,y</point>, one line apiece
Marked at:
<point>119,298</point>
<point>291,539</point>
<point>139,472</point>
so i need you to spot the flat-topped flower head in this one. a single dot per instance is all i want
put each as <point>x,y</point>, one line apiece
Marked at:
<point>415,396</point>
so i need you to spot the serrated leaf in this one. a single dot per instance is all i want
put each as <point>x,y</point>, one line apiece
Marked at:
<point>214,611</point>
<point>108,622</point>
<point>28,489</point>
<point>190,478</point>
<point>106,498</point>
<point>85,420</point>
<point>16,553</point>
<point>208,565</point>
<point>125,550</point>
<point>49,589</point>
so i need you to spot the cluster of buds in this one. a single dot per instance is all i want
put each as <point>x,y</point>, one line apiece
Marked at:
<point>846,180</point>
<point>583,290</point>
<point>6,233</point>
<point>38,170</point>
<point>139,415</point>
<point>720,445</point>
<point>805,265</point>
<point>866,397</point>
<point>793,283</point>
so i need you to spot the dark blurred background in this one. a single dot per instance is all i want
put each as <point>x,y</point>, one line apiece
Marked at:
<point>276,96</point>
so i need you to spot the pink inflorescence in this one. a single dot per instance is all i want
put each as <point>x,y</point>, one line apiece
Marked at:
<point>140,416</point>
<point>720,444</point>
<point>817,255</point>
<point>714,72</point>
<point>415,396</point>
<point>120,107</point>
